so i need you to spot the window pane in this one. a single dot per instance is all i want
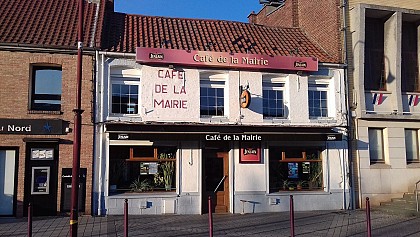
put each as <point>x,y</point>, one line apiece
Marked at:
<point>211,99</point>
<point>125,99</point>
<point>376,147</point>
<point>411,145</point>
<point>317,103</point>
<point>273,104</point>
<point>46,88</point>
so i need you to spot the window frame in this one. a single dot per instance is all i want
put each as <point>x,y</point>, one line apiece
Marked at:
<point>216,83</point>
<point>32,94</point>
<point>269,85</point>
<point>322,86</point>
<point>379,160</point>
<point>125,80</point>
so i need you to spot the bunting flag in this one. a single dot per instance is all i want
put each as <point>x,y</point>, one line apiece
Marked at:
<point>414,100</point>
<point>378,98</point>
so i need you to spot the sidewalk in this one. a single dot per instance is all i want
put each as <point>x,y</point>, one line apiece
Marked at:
<point>316,223</point>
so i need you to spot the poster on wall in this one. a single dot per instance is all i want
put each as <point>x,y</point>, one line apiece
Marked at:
<point>42,154</point>
<point>144,168</point>
<point>250,152</point>
<point>306,168</point>
<point>293,170</point>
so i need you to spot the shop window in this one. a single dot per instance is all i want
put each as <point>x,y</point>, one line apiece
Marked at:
<point>409,65</point>
<point>273,100</point>
<point>142,169</point>
<point>374,71</point>
<point>212,97</point>
<point>376,145</point>
<point>295,169</point>
<point>317,99</point>
<point>46,88</point>
<point>125,95</point>
<point>412,146</point>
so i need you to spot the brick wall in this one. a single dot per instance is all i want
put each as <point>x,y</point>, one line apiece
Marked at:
<point>14,94</point>
<point>321,20</point>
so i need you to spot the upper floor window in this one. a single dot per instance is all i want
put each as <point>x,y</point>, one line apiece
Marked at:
<point>46,88</point>
<point>317,99</point>
<point>273,100</point>
<point>212,97</point>
<point>374,71</point>
<point>125,89</point>
<point>409,64</point>
<point>125,96</point>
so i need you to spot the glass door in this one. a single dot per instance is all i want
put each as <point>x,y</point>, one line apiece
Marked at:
<point>7,181</point>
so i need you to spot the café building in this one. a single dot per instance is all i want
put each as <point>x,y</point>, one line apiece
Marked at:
<point>245,114</point>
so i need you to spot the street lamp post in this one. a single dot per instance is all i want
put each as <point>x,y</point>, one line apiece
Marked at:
<point>77,129</point>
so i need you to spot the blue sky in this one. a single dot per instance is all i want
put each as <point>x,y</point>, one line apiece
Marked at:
<point>233,10</point>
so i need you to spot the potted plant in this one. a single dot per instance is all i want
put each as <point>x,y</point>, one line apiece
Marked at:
<point>168,170</point>
<point>286,184</point>
<point>141,186</point>
<point>300,184</point>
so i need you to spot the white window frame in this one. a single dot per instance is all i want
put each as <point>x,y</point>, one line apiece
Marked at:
<point>124,80</point>
<point>216,81</point>
<point>275,85</point>
<point>320,85</point>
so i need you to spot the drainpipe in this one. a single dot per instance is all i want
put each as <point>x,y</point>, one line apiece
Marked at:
<point>99,125</point>
<point>349,115</point>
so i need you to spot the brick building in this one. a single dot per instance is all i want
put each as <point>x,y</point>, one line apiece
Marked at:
<point>37,96</point>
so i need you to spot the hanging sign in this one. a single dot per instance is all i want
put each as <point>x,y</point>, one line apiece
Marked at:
<point>250,152</point>
<point>245,99</point>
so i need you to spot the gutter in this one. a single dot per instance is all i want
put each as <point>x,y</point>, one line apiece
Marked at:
<point>120,55</point>
<point>42,49</point>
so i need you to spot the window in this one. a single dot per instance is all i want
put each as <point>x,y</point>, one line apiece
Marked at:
<point>411,146</point>
<point>409,65</point>
<point>295,168</point>
<point>273,100</point>
<point>376,145</point>
<point>142,168</point>
<point>374,73</point>
<point>46,88</point>
<point>317,99</point>
<point>212,98</point>
<point>125,95</point>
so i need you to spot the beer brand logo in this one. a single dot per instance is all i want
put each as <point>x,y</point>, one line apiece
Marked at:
<point>250,151</point>
<point>299,64</point>
<point>159,56</point>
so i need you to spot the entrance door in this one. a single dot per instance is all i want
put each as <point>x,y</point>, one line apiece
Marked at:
<point>7,182</point>
<point>216,180</point>
<point>41,178</point>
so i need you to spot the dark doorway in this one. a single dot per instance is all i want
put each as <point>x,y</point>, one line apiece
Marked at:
<point>41,178</point>
<point>216,180</point>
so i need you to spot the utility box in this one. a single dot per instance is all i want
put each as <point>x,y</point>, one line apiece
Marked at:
<point>66,189</point>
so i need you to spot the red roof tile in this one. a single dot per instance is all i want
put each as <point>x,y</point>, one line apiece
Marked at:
<point>125,32</point>
<point>49,23</point>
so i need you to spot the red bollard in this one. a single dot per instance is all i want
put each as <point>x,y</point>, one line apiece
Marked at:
<point>126,218</point>
<point>369,226</point>
<point>29,220</point>
<point>210,218</point>
<point>292,217</point>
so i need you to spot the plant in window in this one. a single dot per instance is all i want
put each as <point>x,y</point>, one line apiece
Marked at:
<point>315,177</point>
<point>300,184</point>
<point>286,184</point>
<point>168,170</point>
<point>158,180</point>
<point>141,186</point>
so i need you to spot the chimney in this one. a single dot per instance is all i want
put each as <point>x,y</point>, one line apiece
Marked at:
<point>252,18</point>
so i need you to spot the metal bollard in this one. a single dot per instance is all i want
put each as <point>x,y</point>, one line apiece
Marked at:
<point>292,217</point>
<point>210,218</point>
<point>126,218</point>
<point>369,226</point>
<point>29,220</point>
